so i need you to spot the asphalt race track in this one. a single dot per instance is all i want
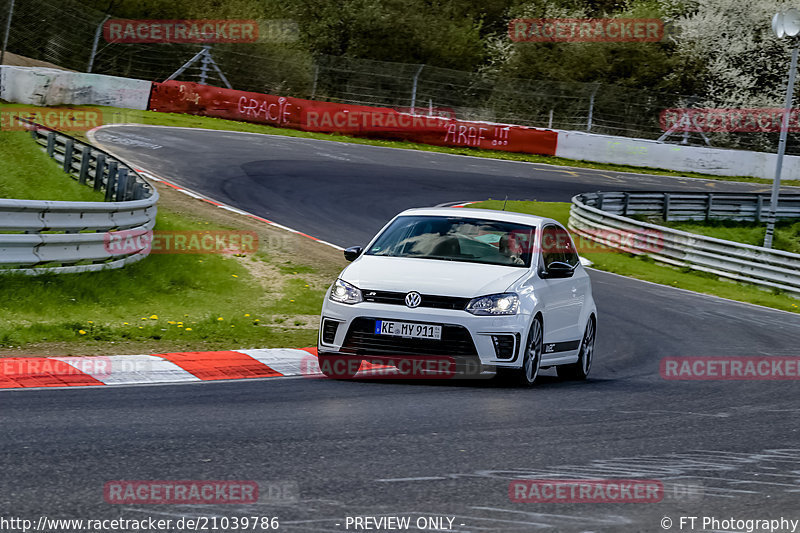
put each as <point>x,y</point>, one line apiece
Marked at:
<point>353,190</point>
<point>354,448</point>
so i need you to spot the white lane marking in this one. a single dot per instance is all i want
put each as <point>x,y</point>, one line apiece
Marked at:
<point>233,209</point>
<point>423,478</point>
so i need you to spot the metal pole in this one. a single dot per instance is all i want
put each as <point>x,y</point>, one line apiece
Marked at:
<point>8,31</point>
<point>314,83</point>
<point>97,33</point>
<point>186,65</point>
<point>219,70</point>
<point>776,183</point>
<point>204,64</point>
<point>414,89</point>
<point>591,108</point>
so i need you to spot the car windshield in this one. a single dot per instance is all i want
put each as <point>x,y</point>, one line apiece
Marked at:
<point>457,239</point>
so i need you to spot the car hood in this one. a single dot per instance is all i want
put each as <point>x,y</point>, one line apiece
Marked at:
<point>430,276</point>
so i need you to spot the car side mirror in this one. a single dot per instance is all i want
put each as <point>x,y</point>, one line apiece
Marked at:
<point>352,253</point>
<point>557,269</point>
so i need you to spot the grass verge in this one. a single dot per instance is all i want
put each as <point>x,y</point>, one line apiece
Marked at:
<point>786,236</point>
<point>28,173</point>
<point>166,302</point>
<point>644,268</point>
<point>112,115</point>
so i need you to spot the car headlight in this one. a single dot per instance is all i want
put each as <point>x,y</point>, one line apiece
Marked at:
<point>345,293</point>
<point>506,303</point>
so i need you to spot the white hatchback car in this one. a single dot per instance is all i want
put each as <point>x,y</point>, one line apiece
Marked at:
<point>489,289</point>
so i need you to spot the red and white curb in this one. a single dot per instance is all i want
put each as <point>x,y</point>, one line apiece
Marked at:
<point>26,372</point>
<point>178,367</point>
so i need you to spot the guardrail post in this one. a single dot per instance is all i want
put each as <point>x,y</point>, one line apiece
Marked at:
<point>710,202</point>
<point>86,158</point>
<point>599,200</point>
<point>666,207</point>
<point>122,184</point>
<point>99,170</point>
<point>759,206</point>
<point>112,178</point>
<point>742,263</point>
<point>51,143</point>
<point>625,204</point>
<point>69,146</point>
<point>70,248</point>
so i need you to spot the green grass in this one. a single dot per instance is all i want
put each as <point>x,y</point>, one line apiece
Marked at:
<point>644,268</point>
<point>118,115</point>
<point>199,300</point>
<point>173,300</point>
<point>786,236</point>
<point>27,173</point>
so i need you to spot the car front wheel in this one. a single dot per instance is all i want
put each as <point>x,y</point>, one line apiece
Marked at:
<point>580,369</point>
<point>531,360</point>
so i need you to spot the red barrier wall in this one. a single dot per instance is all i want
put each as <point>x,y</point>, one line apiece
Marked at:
<point>364,121</point>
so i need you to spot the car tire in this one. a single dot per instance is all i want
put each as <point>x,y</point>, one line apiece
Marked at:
<point>581,368</point>
<point>531,359</point>
<point>339,366</point>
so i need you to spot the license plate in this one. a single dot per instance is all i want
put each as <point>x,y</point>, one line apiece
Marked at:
<point>408,329</point>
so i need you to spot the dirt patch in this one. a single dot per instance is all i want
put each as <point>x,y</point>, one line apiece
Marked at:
<point>279,246</point>
<point>282,256</point>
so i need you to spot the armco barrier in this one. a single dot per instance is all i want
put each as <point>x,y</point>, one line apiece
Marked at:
<point>63,237</point>
<point>655,154</point>
<point>45,86</point>
<point>310,115</point>
<point>597,217</point>
<point>50,86</point>
<point>678,206</point>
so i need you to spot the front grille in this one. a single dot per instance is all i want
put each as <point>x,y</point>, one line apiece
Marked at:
<point>503,346</point>
<point>329,328</point>
<point>361,339</point>
<point>428,300</point>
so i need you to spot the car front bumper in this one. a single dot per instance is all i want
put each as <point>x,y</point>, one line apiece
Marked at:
<point>465,337</point>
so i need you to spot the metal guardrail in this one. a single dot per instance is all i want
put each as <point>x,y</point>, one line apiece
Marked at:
<point>600,217</point>
<point>65,237</point>
<point>672,207</point>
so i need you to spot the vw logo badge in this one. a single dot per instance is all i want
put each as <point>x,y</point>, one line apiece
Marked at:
<point>413,299</point>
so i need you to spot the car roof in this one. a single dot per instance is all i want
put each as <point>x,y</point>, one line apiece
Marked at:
<point>485,214</point>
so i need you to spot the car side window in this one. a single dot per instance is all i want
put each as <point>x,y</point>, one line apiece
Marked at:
<point>557,246</point>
